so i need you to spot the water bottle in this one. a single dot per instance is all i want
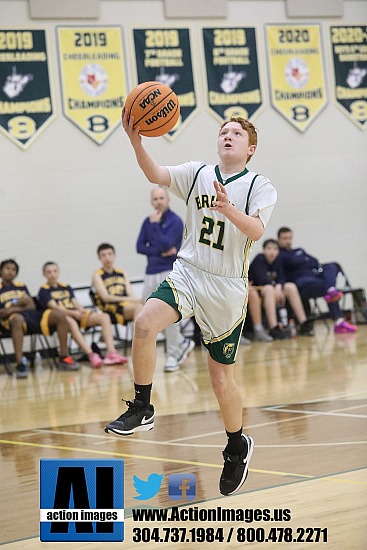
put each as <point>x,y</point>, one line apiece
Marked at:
<point>283,314</point>
<point>37,362</point>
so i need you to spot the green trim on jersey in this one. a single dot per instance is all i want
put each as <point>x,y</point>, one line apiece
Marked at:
<point>167,293</point>
<point>246,254</point>
<point>193,183</point>
<point>232,178</point>
<point>249,193</point>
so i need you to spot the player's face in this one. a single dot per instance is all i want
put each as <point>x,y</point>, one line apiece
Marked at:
<point>52,274</point>
<point>233,142</point>
<point>285,240</point>
<point>160,200</point>
<point>107,258</point>
<point>271,251</point>
<point>8,273</point>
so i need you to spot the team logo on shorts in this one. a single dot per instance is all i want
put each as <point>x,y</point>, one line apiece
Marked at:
<point>228,349</point>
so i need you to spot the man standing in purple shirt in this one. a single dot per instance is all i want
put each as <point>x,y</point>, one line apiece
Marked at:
<point>160,239</point>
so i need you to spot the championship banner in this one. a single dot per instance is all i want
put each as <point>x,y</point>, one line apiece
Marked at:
<point>296,72</point>
<point>232,71</point>
<point>164,55</point>
<point>26,104</point>
<point>92,78</point>
<point>349,55</point>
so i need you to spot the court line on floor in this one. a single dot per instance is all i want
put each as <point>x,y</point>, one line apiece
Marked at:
<point>327,477</point>
<point>177,443</point>
<point>315,413</point>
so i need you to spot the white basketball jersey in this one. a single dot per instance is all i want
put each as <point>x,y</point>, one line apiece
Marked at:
<point>212,242</point>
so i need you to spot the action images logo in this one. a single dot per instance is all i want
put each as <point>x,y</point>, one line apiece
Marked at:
<point>81,500</point>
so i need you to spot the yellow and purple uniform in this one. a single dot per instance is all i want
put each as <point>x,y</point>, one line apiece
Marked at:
<point>115,283</point>
<point>63,295</point>
<point>35,322</point>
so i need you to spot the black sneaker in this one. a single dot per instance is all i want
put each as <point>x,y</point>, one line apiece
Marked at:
<point>21,370</point>
<point>277,333</point>
<point>137,418</point>
<point>306,329</point>
<point>235,469</point>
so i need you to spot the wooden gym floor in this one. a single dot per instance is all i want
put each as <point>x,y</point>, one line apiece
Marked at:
<point>305,404</point>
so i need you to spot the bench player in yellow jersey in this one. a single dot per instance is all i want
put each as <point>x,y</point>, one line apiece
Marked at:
<point>113,291</point>
<point>60,297</point>
<point>228,207</point>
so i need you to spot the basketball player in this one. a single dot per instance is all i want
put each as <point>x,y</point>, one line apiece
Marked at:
<point>113,292</point>
<point>18,316</point>
<point>60,297</point>
<point>228,208</point>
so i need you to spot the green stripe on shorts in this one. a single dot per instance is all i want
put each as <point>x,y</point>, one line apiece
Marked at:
<point>167,293</point>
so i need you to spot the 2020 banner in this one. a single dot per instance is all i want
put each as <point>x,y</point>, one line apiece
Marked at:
<point>164,55</point>
<point>232,71</point>
<point>92,78</point>
<point>349,55</point>
<point>296,72</point>
<point>26,104</point>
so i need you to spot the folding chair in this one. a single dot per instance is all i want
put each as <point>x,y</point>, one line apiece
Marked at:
<point>4,356</point>
<point>358,307</point>
<point>38,342</point>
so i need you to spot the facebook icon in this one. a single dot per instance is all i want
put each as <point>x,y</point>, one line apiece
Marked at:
<point>181,487</point>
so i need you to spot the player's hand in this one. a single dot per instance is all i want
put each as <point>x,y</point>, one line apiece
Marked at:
<point>128,126</point>
<point>170,252</point>
<point>155,216</point>
<point>221,201</point>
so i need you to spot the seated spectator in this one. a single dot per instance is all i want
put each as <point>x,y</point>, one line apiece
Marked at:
<point>113,291</point>
<point>60,297</point>
<point>255,310</point>
<point>19,317</point>
<point>313,279</point>
<point>266,273</point>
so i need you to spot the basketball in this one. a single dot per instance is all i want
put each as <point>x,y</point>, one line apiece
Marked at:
<point>155,108</point>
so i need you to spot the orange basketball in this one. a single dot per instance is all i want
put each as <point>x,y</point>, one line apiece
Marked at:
<point>155,108</point>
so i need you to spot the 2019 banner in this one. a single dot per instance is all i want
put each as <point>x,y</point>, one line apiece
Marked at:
<point>26,104</point>
<point>296,72</point>
<point>92,78</point>
<point>349,56</point>
<point>232,71</point>
<point>164,55</point>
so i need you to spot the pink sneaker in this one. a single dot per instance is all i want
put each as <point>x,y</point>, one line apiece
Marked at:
<point>333,295</point>
<point>95,360</point>
<point>345,328</point>
<point>114,358</point>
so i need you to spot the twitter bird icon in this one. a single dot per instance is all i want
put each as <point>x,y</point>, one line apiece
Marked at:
<point>147,489</point>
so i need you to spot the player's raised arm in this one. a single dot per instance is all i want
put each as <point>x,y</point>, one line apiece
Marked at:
<point>152,170</point>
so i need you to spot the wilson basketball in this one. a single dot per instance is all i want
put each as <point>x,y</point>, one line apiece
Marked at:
<point>155,108</point>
